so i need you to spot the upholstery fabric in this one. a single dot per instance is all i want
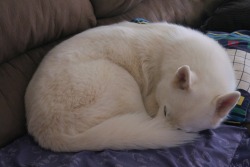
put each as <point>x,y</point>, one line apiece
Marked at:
<point>185,12</point>
<point>110,8</point>
<point>28,30</point>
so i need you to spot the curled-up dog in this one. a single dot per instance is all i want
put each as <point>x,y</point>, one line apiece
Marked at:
<point>129,86</point>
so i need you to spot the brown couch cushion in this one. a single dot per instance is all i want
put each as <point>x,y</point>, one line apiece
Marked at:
<point>187,12</point>
<point>25,25</point>
<point>14,77</point>
<point>110,8</point>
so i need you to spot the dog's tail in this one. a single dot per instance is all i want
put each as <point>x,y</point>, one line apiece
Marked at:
<point>129,131</point>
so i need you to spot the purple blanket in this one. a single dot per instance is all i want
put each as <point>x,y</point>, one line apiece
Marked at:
<point>223,147</point>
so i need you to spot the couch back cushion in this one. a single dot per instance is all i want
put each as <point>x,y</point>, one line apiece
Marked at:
<point>28,30</point>
<point>110,8</point>
<point>186,12</point>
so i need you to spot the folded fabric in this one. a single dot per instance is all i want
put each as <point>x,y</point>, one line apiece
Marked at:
<point>236,40</point>
<point>238,115</point>
<point>237,45</point>
<point>140,21</point>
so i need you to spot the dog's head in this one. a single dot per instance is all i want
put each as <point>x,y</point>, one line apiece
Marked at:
<point>191,106</point>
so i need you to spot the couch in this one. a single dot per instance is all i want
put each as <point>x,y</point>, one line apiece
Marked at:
<point>29,29</point>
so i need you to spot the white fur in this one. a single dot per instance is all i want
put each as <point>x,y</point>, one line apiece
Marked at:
<point>107,88</point>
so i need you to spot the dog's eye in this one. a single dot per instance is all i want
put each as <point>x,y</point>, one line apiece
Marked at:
<point>165,111</point>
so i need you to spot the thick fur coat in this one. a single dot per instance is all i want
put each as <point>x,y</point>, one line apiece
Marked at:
<point>129,86</point>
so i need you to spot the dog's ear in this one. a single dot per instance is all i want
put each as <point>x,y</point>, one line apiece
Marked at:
<point>184,78</point>
<point>225,103</point>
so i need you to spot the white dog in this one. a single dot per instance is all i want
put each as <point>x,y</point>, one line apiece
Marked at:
<point>129,86</point>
